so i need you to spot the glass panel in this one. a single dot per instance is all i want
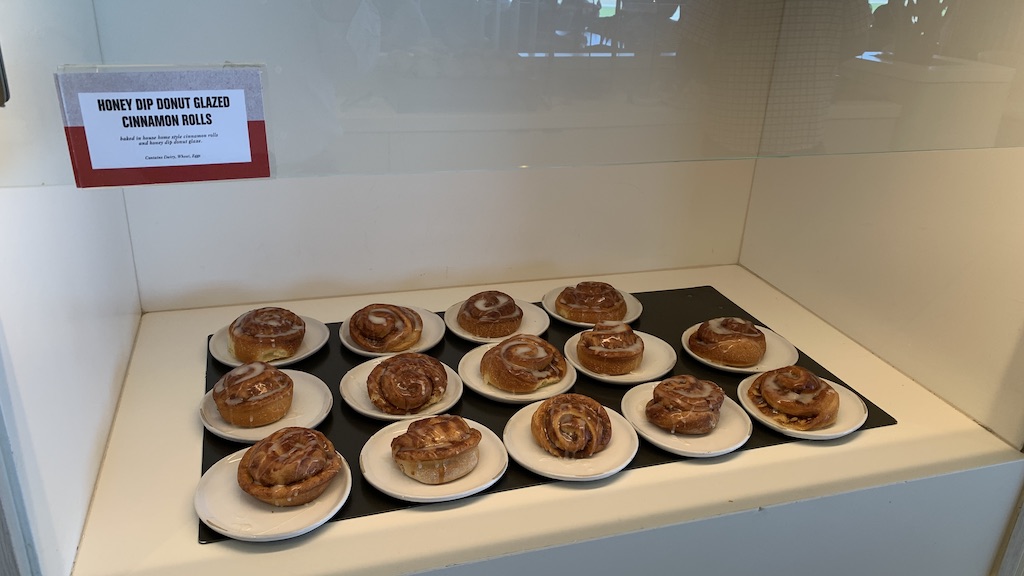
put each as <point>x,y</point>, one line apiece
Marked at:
<point>413,85</point>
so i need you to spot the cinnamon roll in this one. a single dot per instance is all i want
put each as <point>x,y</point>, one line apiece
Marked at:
<point>728,341</point>
<point>290,467</point>
<point>685,405</point>
<point>490,314</point>
<point>571,426</point>
<point>795,398</point>
<point>406,383</point>
<point>385,327</point>
<point>253,394</point>
<point>438,449</point>
<point>265,334</point>
<point>591,302</point>
<point>522,363</point>
<point>610,348</point>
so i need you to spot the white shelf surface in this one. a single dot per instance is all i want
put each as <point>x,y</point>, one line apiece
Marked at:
<point>142,521</point>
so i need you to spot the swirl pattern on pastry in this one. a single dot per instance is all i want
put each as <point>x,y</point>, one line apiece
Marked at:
<point>385,327</point>
<point>438,449</point>
<point>611,347</point>
<point>522,363</point>
<point>406,383</point>
<point>686,405</point>
<point>729,341</point>
<point>253,394</point>
<point>591,302</point>
<point>571,426</point>
<point>490,314</point>
<point>290,467</point>
<point>265,334</point>
<point>795,398</point>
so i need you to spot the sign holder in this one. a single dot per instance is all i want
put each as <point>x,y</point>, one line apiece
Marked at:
<point>154,125</point>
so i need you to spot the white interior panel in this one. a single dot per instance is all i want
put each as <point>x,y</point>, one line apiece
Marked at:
<point>69,308</point>
<point>216,244</point>
<point>913,256</point>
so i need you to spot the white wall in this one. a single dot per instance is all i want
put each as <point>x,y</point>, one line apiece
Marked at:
<point>916,256</point>
<point>69,310</point>
<point>230,243</point>
<point>69,303</point>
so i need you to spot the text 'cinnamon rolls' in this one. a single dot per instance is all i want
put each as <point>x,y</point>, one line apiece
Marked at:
<point>406,383</point>
<point>438,449</point>
<point>385,328</point>
<point>610,348</point>
<point>728,341</point>
<point>522,363</point>
<point>571,426</point>
<point>290,467</point>
<point>591,302</point>
<point>686,405</point>
<point>795,398</point>
<point>265,334</point>
<point>490,314</point>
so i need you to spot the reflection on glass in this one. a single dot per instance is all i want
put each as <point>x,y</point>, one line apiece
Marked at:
<point>409,85</point>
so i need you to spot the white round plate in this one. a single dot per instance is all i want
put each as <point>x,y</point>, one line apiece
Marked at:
<point>469,370</point>
<point>311,402</point>
<point>633,307</point>
<point>535,321</point>
<point>523,448</point>
<point>315,338</point>
<point>353,391</point>
<point>659,358</point>
<point>733,430</point>
<point>381,471</point>
<point>224,507</point>
<point>852,414</point>
<point>778,353</point>
<point>433,332</point>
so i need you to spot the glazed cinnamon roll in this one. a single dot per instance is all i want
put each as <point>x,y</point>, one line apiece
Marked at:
<point>795,398</point>
<point>438,449</point>
<point>406,383</point>
<point>522,363</point>
<point>265,334</point>
<point>385,327</point>
<point>591,302</point>
<point>610,348</point>
<point>290,467</point>
<point>490,314</point>
<point>254,394</point>
<point>686,405</point>
<point>729,341</point>
<point>571,426</point>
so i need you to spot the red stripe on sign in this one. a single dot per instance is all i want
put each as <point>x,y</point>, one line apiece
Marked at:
<point>87,177</point>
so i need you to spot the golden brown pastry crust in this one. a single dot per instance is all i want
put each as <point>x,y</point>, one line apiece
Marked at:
<point>590,302</point>
<point>385,328</point>
<point>490,314</point>
<point>438,449</point>
<point>571,426</point>
<point>728,341</point>
<point>795,398</point>
<point>406,383</point>
<point>522,363</point>
<point>290,467</point>
<point>253,394</point>
<point>685,405</point>
<point>265,334</point>
<point>611,347</point>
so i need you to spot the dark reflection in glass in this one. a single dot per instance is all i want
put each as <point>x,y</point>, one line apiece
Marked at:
<point>411,85</point>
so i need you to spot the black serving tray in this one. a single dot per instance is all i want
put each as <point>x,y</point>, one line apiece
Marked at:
<point>666,314</point>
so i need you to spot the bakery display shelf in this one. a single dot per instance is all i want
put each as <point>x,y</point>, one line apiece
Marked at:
<point>666,314</point>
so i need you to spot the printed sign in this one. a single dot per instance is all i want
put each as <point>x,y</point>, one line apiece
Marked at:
<point>150,127</point>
